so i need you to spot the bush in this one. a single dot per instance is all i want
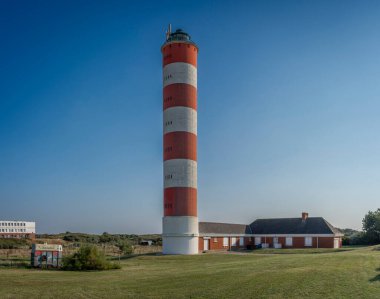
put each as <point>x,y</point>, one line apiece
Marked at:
<point>106,238</point>
<point>359,238</point>
<point>78,237</point>
<point>125,247</point>
<point>88,257</point>
<point>13,243</point>
<point>346,241</point>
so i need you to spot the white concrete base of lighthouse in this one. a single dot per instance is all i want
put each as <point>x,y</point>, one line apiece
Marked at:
<point>180,245</point>
<point>180,235</point>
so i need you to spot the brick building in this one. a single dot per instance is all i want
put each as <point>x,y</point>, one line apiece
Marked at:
<point>303,232</point>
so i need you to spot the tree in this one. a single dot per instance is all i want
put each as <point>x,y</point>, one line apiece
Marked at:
<point>371,226</point>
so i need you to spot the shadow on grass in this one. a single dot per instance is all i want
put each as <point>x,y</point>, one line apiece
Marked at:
<point>14,264</point>
<point>377,277</point>
<point>300,251</point>
<point>127,257</point>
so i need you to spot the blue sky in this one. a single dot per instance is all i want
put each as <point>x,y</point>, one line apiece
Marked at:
<point>288,111</point>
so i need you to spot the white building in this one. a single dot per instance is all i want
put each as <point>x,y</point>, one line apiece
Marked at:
<point>17,229</point>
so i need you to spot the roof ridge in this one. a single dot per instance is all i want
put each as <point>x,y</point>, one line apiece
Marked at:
<point>316,225</point>
<point>287,218</point>
<point>223,223</point>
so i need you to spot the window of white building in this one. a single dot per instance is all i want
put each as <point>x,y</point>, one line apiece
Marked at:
<point>308,241</point>
<point>257,240</point>
<point>289,241</point>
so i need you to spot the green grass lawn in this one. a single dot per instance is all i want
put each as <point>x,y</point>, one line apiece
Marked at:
<point>351,273</point>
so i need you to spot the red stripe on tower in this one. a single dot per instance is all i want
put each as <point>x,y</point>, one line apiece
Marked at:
<point>180,145</point>
<point>180,95</point>
<point>180,221</point>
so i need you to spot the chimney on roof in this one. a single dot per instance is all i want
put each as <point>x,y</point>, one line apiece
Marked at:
<point>305,216</point>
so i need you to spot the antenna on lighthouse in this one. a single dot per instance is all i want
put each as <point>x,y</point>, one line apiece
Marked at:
<point>168,31</point>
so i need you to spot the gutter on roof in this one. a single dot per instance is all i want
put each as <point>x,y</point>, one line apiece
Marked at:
<point>293,235</point>
<point>339,235</point>
<point>268,235</point>
<point>224,235</point>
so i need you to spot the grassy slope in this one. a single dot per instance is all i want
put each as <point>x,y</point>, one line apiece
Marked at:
<point>344,274</point>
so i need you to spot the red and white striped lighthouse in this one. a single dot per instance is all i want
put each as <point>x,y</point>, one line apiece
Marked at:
<point>180,221</point>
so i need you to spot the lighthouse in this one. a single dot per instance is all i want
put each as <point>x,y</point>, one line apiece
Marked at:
<point>180,220</point>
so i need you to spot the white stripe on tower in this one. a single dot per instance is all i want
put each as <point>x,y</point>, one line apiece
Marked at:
<point>177,119</point>
<point>180,72</point>
<point>180,173</point>
<point>180,221</point>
